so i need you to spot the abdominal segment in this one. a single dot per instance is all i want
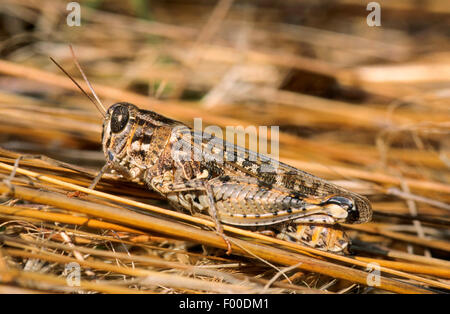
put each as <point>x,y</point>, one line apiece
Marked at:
<point>330,238</point>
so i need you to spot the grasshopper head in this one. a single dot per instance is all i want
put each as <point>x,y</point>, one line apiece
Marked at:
<point>117,128</point>
<point>125,125</point>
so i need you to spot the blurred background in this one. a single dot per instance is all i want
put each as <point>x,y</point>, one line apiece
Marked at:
<point>367,98</point>
<point>360,99</point>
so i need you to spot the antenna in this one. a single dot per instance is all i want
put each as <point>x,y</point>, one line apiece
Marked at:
<point>85,79</point>
<point>78,85</point>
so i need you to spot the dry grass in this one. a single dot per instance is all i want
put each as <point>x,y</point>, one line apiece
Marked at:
<point>367,108</point>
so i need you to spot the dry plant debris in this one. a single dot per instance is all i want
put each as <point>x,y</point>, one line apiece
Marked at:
<point>365,107</point>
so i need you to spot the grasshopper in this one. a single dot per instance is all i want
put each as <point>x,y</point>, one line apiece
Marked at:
<point>330,238</point>
<point>235,186</point>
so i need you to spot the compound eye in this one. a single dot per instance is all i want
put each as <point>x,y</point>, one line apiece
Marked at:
<point>119,118</point>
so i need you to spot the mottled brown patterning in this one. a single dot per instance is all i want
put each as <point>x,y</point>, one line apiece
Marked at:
<point>236,186</point>
<point>325,237</point>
